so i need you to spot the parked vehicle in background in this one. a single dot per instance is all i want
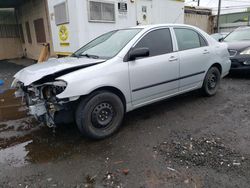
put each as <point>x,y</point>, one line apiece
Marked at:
<point>120,71</point>
<point>239,48</point>
<point>219,36</point>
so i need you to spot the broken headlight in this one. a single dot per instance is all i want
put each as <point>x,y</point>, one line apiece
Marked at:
<point>54,88</point>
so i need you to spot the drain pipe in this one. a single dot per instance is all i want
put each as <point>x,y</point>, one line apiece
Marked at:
<point>49,27</point>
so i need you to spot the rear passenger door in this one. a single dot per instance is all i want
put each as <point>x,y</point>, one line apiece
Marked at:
<point>194,54</point>
<point>155,76</point>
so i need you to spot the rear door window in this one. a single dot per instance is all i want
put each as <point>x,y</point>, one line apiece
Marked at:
<point>188,39</point>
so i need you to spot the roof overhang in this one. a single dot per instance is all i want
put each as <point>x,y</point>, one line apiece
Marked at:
<point>10,3</point>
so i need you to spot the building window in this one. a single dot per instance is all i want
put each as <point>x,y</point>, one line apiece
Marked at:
<point>61,13</point>
<point>28,32</point>
<point>40,31</point>
<point>8,26</point>
<point>9,31</point>
<point>21,33</point>
<point>101,11</point>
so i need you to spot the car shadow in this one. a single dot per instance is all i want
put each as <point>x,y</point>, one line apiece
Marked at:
<point>239,75</point>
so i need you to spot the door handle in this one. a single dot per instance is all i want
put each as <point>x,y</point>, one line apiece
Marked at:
<point>173,58</point>
<point>205,52</point>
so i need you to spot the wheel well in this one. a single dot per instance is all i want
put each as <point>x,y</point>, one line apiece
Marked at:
<point>217,65</point>
<point>115,91</point>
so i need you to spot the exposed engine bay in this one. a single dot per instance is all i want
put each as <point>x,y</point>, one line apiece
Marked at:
<point>42,101</point>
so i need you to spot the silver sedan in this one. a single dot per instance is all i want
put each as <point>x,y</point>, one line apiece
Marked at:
<point>120,71</point>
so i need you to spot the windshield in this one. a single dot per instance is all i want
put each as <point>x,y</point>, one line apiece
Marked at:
<point>107,45</point>
<point>217,36</point>
<point>238,35</point>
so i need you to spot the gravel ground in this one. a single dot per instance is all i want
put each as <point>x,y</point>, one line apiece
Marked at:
<point>186,141</point>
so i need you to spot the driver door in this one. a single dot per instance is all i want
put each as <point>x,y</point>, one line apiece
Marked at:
<point>156,76</point>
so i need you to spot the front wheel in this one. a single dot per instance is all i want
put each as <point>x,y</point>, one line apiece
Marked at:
<point>211,82</point>
<point>99,115</point>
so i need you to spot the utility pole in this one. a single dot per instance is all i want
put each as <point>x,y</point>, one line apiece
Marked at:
<point>218,16</point>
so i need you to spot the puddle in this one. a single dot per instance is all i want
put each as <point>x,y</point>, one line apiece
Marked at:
<point>24,141</point>
<point>11,108</point>
<point>16,155</point>
<point>38,144</point>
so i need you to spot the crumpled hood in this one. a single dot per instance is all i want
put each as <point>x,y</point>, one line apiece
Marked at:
<point>37,71</point>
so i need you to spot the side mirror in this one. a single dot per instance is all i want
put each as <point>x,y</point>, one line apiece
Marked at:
<point>138,52</point>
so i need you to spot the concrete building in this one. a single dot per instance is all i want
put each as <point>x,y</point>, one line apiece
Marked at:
<point>26,29</point>
<point>199,17</point>
<point>75,22</point>
<point>34,27</point>
<point>10,44</point>
<point>203,18</point>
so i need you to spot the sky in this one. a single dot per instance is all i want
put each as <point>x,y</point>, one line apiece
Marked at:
<point>227,5</point>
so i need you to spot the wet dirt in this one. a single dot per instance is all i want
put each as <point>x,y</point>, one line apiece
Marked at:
<point>11,108</point>
<point>196,134</point>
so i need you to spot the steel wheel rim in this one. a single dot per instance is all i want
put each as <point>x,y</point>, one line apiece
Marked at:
<point>212,81</point>
<point>102,115</point>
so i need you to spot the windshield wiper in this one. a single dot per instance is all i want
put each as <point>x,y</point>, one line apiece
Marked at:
<point>89,56</point>
<point>85,55</point>
<point>74,55</point>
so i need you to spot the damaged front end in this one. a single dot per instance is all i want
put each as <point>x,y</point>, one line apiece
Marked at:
<point>40,86</point>
<point>42,102</point>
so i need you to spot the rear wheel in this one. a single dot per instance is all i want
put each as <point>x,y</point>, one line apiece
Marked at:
<point>211,82</point>
<point>99,115</point>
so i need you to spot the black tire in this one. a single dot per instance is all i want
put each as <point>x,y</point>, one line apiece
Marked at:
<point>99,115</point>
<point>211,82</point>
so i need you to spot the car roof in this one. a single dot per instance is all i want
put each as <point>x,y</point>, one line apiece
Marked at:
<point>161,25</point>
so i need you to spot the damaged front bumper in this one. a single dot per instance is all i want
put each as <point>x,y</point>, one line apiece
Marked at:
<point>37,109</point>
<point>43,104</point>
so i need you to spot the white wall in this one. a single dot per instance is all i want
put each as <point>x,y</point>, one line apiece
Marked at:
<point>90,30</point>
<point>82,31</point>
<point>72,25</point>
<point>168,11</point>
